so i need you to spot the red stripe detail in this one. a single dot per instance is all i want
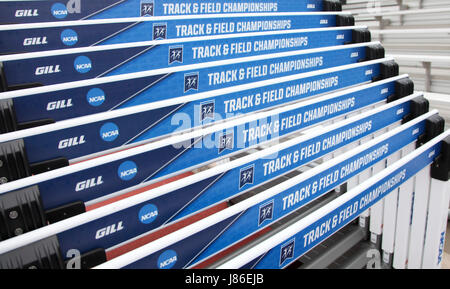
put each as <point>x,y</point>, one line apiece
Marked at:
<point>138,191</point>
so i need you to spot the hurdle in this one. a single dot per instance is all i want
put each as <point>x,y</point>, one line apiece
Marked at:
<point>159,134</point>
<point>259,167</point>
<point>148,254</point>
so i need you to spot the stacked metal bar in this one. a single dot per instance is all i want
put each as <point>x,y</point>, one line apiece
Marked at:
<point>160,134</point>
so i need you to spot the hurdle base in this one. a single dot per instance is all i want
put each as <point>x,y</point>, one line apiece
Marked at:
<point>375,240</point>
<point>387,260</point>
<point>20,212</point>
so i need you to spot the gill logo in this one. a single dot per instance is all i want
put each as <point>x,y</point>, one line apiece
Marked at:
<point>35,41</point>
<point>60,104</point>
<point>111,229</point>
<point>88,184</point>
<point>71,142</point>
<point>49,69</point>
<point>26,13</point>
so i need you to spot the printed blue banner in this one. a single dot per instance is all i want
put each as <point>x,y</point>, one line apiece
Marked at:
<point>14,39</point>
<point>83,140</point>
<point>66,10</point>
<point>35,39</point>
<point>287,252</point>
<point>256,218</point>
<point>74,67</point>
<point>90,99</point>
<point>193,198</point>
<point>137,169</point>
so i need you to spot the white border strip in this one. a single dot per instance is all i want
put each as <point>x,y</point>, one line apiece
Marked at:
<point>159,18</point>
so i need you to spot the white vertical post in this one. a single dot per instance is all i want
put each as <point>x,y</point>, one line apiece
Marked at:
<point>377,210</point>
<point>403,218</point>
<point>419,218</point>
<point>352,182</point>
<point>365,175</point>
<point>436,225</point>
<point>390,215</point>
<point>330,155</point>
<point>341,150</point>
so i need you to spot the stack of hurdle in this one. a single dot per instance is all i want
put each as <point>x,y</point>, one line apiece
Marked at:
<point>212,134</point>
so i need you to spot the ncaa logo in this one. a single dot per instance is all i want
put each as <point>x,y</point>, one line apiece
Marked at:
<point>109,132</point>
<point>226,142</point>
<point>95,97</point>
<point>175,54</point>
<point>159,31</point>
<point>265,212</point>
<point>59,11</point>
<point>167,259</point>
<point>127,170</point>
<point>190,81</point>
<point>148,213</point>
<point>207,110</point>
<point>82,64</point>
<point>246,176</point>
<point>69,37</point>
<point>147,7</point>
<point>287,251</point>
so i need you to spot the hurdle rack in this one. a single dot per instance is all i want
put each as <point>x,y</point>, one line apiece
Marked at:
<point>159,134</point>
